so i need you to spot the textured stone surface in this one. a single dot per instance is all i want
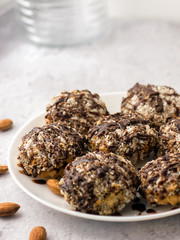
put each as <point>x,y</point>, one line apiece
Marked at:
<point>148,52</point>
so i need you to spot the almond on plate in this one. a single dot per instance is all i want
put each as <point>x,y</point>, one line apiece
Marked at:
<point>53,186</point>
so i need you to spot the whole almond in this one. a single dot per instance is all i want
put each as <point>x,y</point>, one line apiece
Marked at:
<point>8,209</point>
<point>38,233</point>
<point>53,186</point>
<point>5,124</point>
<point>3,169</point>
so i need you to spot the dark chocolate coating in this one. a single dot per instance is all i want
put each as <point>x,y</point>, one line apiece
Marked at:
<point>49,147</point>
<point>127,135</point>
<point>160,180</point>
<point>99,183</point>
<point>154,103</point>
<point>169,137</point>
<point>77,109</point>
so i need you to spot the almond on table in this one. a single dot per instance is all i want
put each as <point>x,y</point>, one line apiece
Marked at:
<point>3,169</point>
<point>8,208</point>
<point>5,124</point>
<point>38,233</point>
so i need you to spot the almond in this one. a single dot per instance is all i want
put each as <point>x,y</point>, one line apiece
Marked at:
<point>53,186</point>
<point>38,233</point>
<point>8,209</point>
<point>5,124</point>
<point>3,169</point>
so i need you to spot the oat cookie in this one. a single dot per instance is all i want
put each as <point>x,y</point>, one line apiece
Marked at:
<point>45,151</point>
<point>77,109</point>
<point>124,134</point>
<point>99,183</point>
<point>160,180</point>
<point>154,103</point>
<point>169,137</point>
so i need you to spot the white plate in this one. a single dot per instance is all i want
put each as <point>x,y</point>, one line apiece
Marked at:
<point>42,194</point>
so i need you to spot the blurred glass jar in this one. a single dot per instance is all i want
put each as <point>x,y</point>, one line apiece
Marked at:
<point>62,22</point>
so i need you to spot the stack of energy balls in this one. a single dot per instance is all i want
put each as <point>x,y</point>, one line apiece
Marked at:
<point>95,153</point>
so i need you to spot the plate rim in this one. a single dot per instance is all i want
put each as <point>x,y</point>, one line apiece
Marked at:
<point>73,212</point>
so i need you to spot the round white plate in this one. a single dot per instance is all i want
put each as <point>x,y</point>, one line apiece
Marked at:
<point>42,194</point>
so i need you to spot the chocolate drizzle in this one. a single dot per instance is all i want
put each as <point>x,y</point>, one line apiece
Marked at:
<point>145,92</point>
<point>124,134</point>
<point>77,109</point>
<point>96,176</point>
<point>115,121</point>
<point>156,104</point>
<point>169,136</point>
<point>39,181</point>
<point>151,211</point>
<point>160,178</point>
<point>139,207</point>
<point>49,148</point>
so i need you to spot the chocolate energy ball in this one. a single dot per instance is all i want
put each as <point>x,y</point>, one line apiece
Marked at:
<point>154,103</point>
<point>160,180</point>
<point>169,137</point>
<point>99,183</point>
<point>45,151</point>
<point>124,134</point>
<point>77,109</point>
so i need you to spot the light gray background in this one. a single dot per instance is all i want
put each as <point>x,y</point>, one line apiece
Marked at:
<point>144,51</point>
